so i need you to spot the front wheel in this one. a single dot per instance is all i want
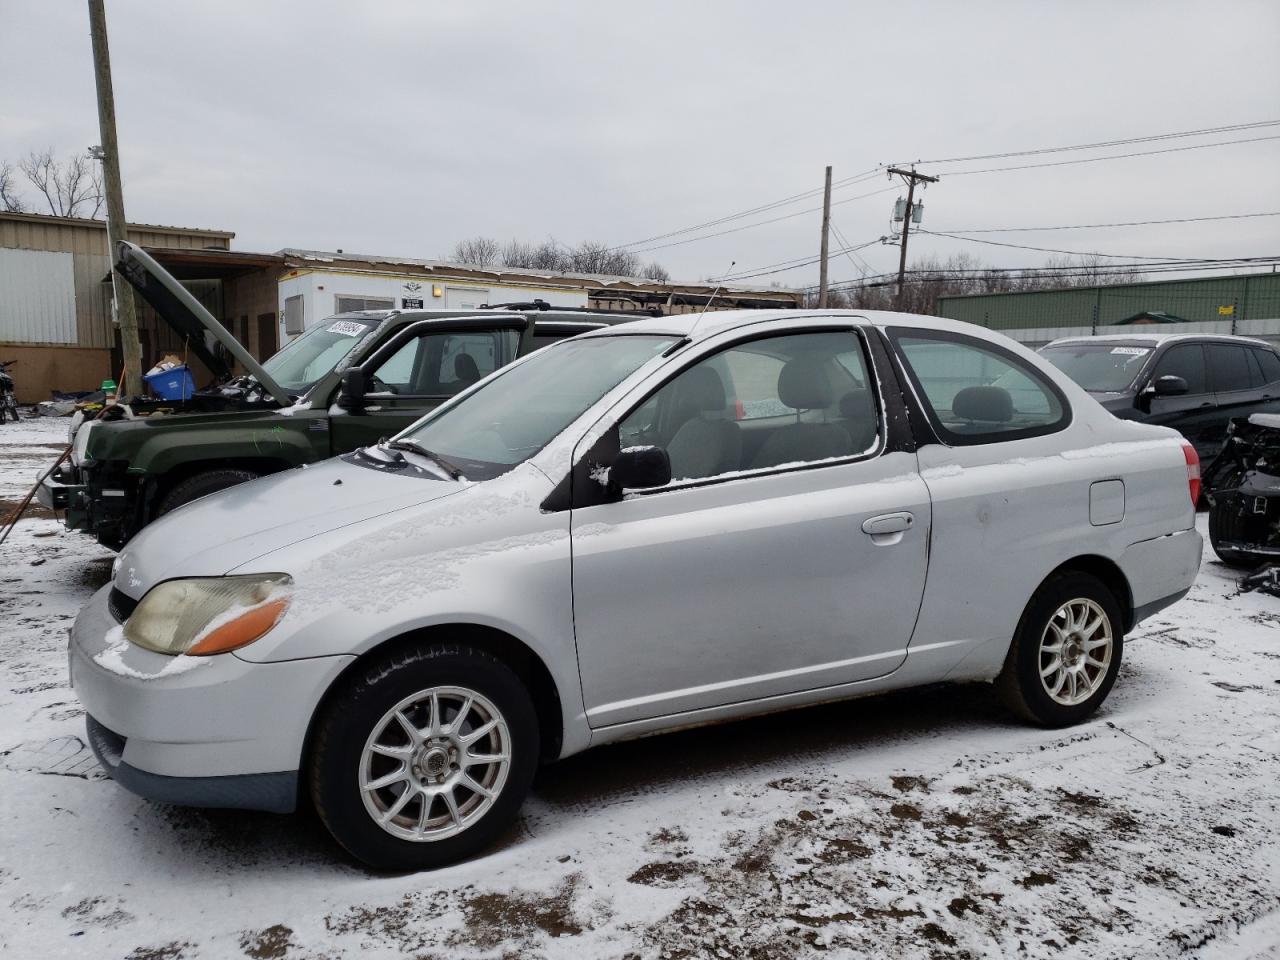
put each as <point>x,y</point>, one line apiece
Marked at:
<point>424,757</point>
<point>1066,653</point>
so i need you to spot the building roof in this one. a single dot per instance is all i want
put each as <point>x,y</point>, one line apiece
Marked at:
<point>335,259</point>
<point>94,224</point>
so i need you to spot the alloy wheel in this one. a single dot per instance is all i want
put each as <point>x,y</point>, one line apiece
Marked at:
<point>1075,651</point>
<point>435,763</point>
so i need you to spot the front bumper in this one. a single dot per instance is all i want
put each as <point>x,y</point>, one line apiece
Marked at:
<point>203,731</point>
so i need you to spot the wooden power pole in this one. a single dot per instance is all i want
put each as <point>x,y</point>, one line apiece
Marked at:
<point>117,230</point>
<point>826,230</point>
<point>911,177</point>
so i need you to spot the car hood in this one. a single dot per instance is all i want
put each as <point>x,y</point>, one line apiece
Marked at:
<point>211,536</point>
<point>188,318</point>
<point>1113,401</point>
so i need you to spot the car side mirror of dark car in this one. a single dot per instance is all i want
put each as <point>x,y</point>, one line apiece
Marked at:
<point>351,396</point>
<point>640,468</point>
<point>1169,386</point>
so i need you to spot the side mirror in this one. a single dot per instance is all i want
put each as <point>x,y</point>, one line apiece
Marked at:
<point>639,468</point>
<point>1169,386</point>
<point>351,396</point>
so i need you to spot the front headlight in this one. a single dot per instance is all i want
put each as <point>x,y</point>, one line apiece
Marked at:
<point>80,442</point>
<point>207,615</point>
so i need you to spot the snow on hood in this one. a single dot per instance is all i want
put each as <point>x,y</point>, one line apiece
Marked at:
<point>214,534</point>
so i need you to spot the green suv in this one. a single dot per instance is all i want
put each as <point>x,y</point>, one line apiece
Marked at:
<point>345,383</point>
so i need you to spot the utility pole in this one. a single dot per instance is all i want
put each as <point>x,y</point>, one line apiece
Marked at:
<point>911,177</point>
<point>826,230</point>
<point>117,230</point>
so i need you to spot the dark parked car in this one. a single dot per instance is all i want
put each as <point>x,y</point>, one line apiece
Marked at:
<point>1194,383</point>
<point>1243,488</point>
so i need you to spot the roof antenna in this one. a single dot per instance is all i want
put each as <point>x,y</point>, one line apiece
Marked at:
<point>707,306</point>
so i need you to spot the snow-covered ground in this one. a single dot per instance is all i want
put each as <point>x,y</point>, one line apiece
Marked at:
<point>923,824</point>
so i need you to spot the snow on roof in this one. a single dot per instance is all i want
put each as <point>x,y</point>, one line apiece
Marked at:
<point>604,280</point>
<point>700,326</point>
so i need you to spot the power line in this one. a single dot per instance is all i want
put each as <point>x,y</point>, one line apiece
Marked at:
<point>763,208</point>
<point>650,243</point>
<point>1102,144</point>
<point>1101,270</point>
<point>784,265</point>
<point>1126,223</point>
<point>762,223</point>
<point>1074,253</point>
<point>1113,156</point>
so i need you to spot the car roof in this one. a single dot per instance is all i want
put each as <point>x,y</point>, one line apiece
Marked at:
<point>1156,339</point>
<point>701,326</point>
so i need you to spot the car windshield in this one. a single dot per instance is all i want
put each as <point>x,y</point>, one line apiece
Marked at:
<point>1098,367</point>
<point>317,351</point>
<point>520,411</point>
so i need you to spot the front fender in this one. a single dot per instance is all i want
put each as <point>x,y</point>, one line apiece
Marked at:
<point>163,451</point>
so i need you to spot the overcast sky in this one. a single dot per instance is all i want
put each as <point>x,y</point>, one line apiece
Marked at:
<point>401,127</point>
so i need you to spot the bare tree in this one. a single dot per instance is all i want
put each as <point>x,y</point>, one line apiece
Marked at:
<point>587,257</point>
<point>10,202</point>
<point>655,271</point>
<point>71,187</point>
<point>534,256</point>
<point>961,274</point>
<point>478,251</point>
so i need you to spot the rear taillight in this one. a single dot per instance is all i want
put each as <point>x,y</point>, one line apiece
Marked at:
<point>1193,471</point>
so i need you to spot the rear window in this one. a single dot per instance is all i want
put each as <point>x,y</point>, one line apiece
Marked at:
<point>977,392</point>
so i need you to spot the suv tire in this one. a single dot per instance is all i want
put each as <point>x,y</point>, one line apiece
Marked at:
<point>201,485</point>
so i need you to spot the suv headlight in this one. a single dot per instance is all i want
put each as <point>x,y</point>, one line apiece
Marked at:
<point>80,442</point>
<point>202,616</point>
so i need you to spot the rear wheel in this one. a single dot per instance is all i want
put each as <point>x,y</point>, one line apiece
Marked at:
<point>201,485</point>
<point>1066,653</point>
<point>425,757</point>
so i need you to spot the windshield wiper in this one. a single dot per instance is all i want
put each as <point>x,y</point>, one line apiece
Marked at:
<point>449,467</point>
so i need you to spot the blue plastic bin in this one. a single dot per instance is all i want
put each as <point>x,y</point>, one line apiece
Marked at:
<point>175,384</point>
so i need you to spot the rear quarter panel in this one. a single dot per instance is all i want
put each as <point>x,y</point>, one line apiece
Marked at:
<point>1006,515</point>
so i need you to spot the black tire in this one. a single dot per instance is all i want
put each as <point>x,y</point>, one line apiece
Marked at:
<point>202,484</point>
<point>1019,683</point>
<point>1221,525</point>
<point>360,708</point>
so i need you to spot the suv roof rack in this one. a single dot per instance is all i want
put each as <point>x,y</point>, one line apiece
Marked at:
<point>544,305</point>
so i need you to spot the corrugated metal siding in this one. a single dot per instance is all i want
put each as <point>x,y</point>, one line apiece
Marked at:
<point>37,297</point>
<point>86,242</point>
<point>1244,297</point>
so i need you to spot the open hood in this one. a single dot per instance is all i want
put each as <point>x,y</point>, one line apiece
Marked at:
<point>188,316</point>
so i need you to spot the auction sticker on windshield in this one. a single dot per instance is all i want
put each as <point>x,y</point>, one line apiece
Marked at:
<point>1131,351</point>
<point>347,328</point>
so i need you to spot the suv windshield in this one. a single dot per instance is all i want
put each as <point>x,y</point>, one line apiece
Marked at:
<point>317,351</point>
<point>1098,367</point>
<point>519,412</point>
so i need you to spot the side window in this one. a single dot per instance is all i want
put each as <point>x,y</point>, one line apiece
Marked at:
<point>1269,363</point>
<point>395,374</point>
<point>773,402</point>
<point>464,359</point>
<point>442,364</point>
<point>977,392</point>
<point>1185,361</point>
<point>1228,367</point>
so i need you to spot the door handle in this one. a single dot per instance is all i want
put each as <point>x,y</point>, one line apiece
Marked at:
<point>888,527</point>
